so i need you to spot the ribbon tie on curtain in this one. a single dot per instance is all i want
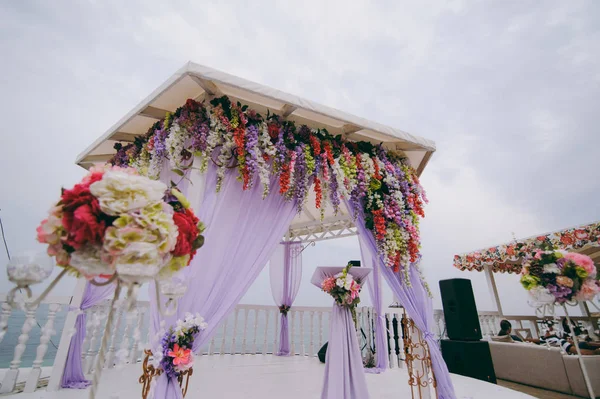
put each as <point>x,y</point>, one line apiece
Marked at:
<point>428,335</point>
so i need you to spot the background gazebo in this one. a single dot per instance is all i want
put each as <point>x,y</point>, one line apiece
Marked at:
<point>507,258</point>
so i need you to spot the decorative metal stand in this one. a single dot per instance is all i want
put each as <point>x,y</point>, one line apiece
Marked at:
<point>544,309</point>
<point>418,359</point>
<point>149,372</point>
<point>586,377</point>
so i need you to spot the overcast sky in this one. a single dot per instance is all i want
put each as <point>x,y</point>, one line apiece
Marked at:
<point>509,90</point>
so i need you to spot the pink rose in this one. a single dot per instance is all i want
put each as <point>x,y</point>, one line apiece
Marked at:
<point>584,261</point>
<point>588,291</point>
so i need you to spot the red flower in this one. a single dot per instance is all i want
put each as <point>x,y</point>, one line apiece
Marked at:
<point>82,217</point>
<point>187,224</point>
<point>273,130</point>
<point>567,239</point>
<point>315,144</point>
<point>318,193</point>
<point>284,179</point>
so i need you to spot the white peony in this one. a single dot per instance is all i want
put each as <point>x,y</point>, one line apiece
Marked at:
<point>551,268</point>
<point>140,261</point>
<point>120,192</point>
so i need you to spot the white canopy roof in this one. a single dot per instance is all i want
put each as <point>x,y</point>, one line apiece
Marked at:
<point>200,82</point>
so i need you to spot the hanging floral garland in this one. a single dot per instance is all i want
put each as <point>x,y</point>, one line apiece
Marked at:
<point>380,183</point>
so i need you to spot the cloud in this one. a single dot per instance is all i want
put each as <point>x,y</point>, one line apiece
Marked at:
<point>508,91</point>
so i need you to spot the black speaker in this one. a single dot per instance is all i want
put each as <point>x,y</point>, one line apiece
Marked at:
<point>469,358</point>
<point>323,353</point>
<point>460,311</point>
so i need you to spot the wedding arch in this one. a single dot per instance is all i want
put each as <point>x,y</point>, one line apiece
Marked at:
<point>263,168</point>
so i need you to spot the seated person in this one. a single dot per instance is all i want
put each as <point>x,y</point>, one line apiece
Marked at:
<point>506,329</point>
<point>563,339</point>
<point>584,343</point>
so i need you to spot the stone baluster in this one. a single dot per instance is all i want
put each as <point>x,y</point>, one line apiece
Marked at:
<point>47,332</point>
<point>320,330</point>
<point>137,335</point>
<point>96,316</point>
<point>222,351</point>
<point>254,347</point>
<point>264,349</point>
<point>277,322</point>
<point>302,343</point>
<point>110,356</point>
<point>88,327</point>
<point>235,325</point>
<point>245,331</point>
<point>10,378</point>
<point>312,333</point>
<point>6,311</point>
<point>292,331</point>
<point>123,353</point>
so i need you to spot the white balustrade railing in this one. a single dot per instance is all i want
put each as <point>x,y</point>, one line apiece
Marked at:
<point>29,337</point>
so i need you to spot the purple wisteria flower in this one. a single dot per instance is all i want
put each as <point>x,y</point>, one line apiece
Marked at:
<point>334,195</point>
<point>300,178</point>
<point>251,152</point>
<point>199,137</point>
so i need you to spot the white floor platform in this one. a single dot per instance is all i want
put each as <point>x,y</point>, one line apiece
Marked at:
<point>268,377</point>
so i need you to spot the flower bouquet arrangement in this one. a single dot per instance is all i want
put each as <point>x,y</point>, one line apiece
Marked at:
<point>116,222</point>
<point>553,276</point>
<point>174,355</point>
<point>344,289</point>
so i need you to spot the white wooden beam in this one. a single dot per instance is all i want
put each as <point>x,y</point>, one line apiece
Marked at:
<point>349,129</point>
<point>123,136</point>
<point>287,110</point>
<point>153,112</point>
<point>491,281</point>
<point>209,87</point>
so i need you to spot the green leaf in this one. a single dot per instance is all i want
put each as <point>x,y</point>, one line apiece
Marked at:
<point>178,172</point>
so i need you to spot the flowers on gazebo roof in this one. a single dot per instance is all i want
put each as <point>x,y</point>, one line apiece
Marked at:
<point>506,258</point>
<point>381,184</point>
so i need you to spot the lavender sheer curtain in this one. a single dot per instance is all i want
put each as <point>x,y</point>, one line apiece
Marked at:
<point>375,292</point>
<point>417,303</point>
<point>73,376</point>
<point>242,232</point>
<point>285,270</point>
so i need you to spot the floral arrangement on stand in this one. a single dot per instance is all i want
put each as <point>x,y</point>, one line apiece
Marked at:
<point>174,355</point>
<point>117,222</point>
<point>558,276</point>
<point>379,184</point>
<point>344,289</point>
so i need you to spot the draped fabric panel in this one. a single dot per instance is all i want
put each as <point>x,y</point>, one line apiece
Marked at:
<point>242,232</point>
<point>415,300</point>
<point>73,376</point>
<point>375,292</point>
<point>285,270</point>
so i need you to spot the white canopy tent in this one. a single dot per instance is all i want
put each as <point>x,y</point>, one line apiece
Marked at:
<point>199,82</point>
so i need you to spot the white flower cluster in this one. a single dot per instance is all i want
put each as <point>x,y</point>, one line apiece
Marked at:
<point>339,176</point>
<point>190,321</point>
<point>120,192</point>
<point>175,143</point>
<point>551,268</point>
<point>345,282</point>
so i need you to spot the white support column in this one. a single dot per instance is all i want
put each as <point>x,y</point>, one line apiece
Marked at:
<point>65,338</point>
<point>489,275</point>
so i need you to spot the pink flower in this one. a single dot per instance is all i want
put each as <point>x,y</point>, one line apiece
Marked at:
<point>328,284</point>
<point>181,356</point>
<point>354,290</point>
<point>584,261</point>
<point>588,291</point>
